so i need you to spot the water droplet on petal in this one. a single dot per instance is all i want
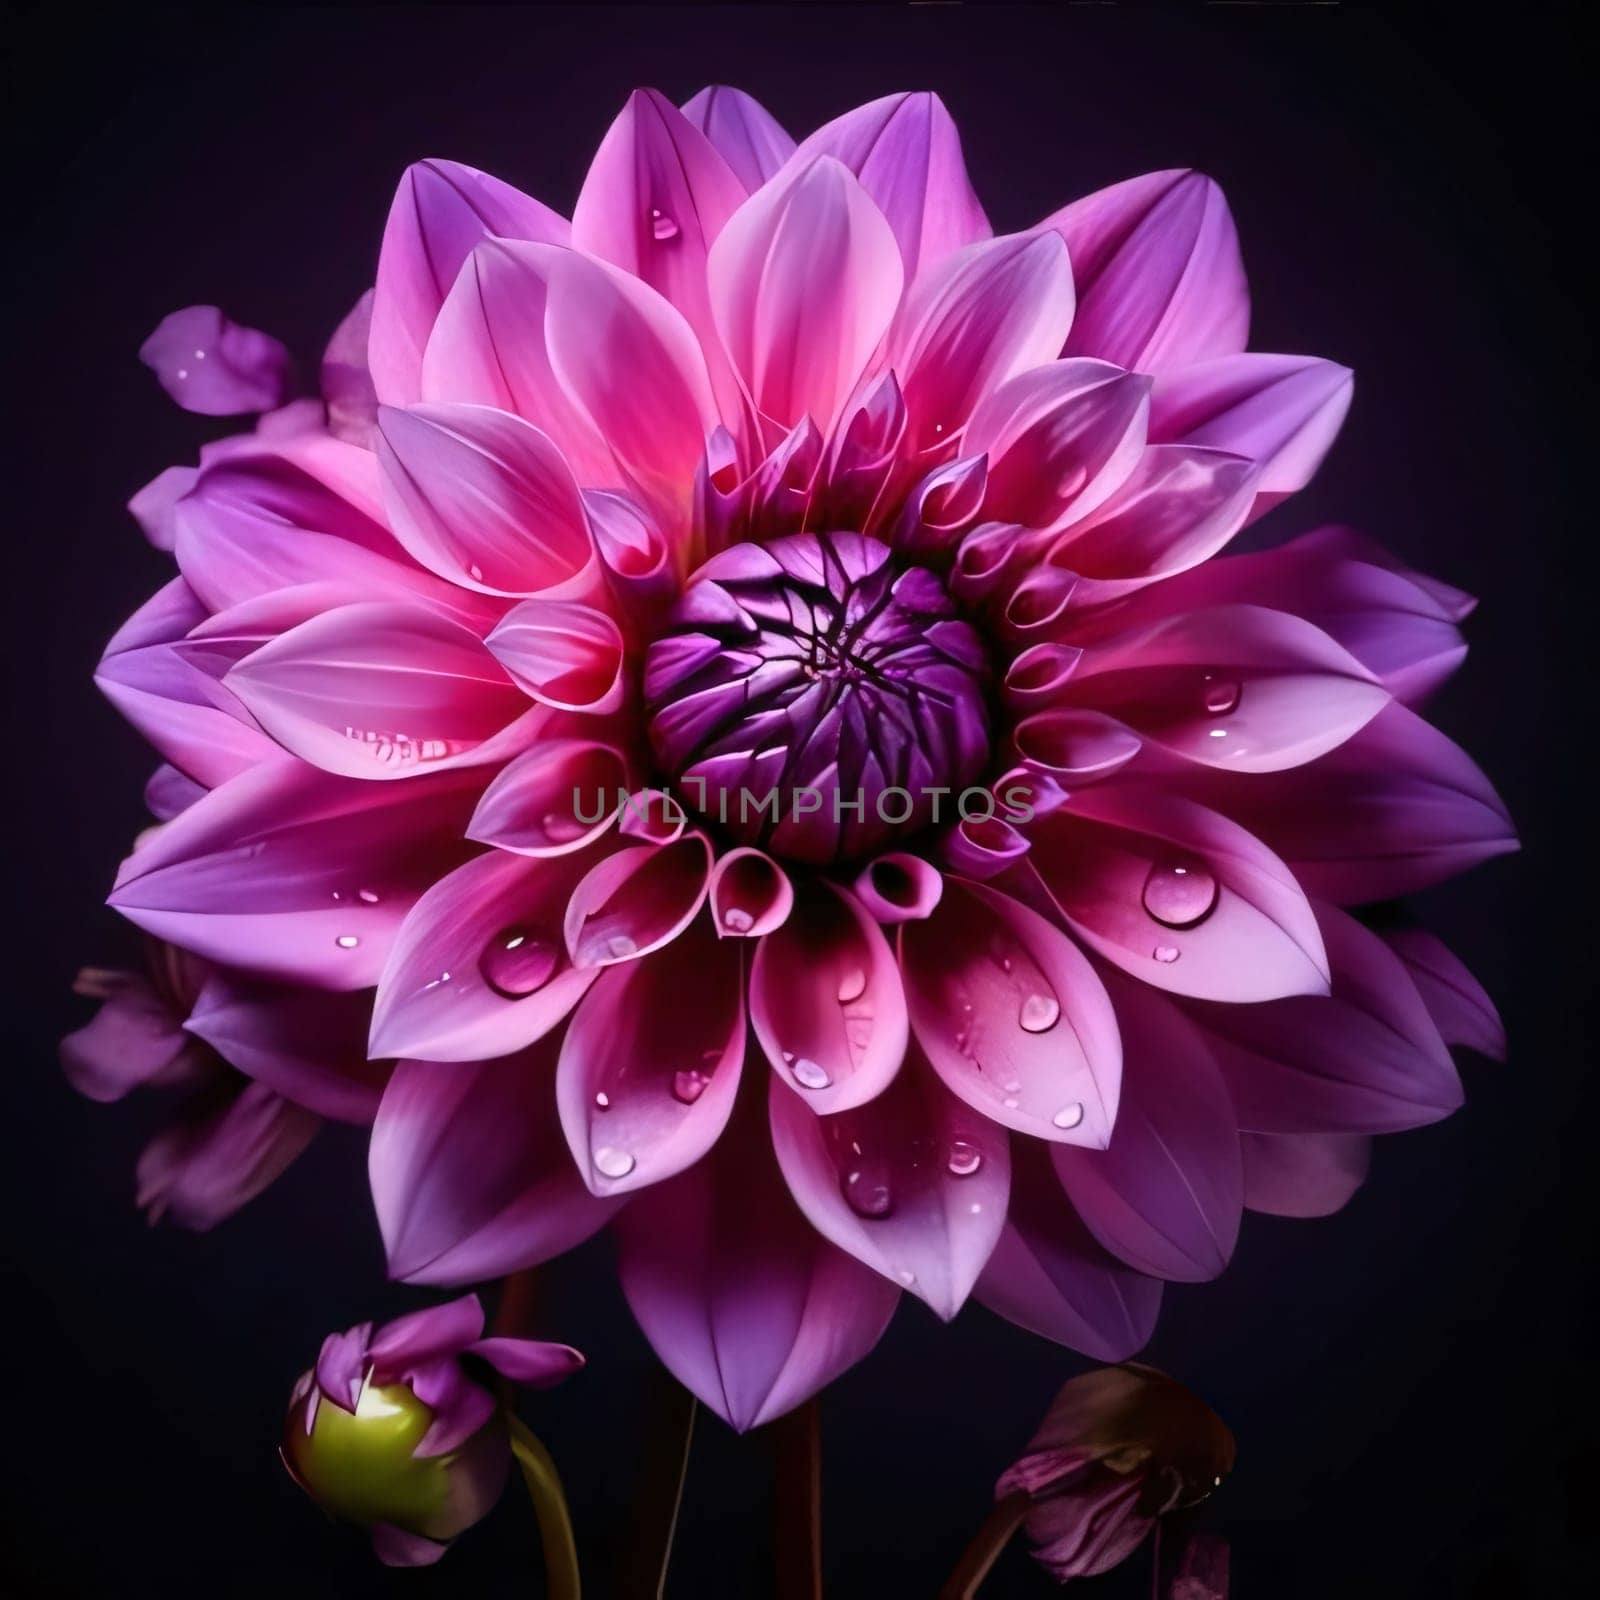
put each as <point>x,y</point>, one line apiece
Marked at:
<point>1011,1102</point>
<point>1166,954</point>
<point>906,1277</point>
<point>1180,893</point>
<point>868,1196</point>
<point>852,986</point>
<point>619,947</point>
<point>610,1162</point>
<point>739,921</point>
<point>662,226</point>
<point>514,963</point>
<point>347,941</point>
<point>1068,1116</point>
<point>688,1085</point>
<point>1039,1014</point>
<point>1219,695</point>
<point>603,1100</point>
<point>368,897</point>
<point>965,1158</point>
<point>810,1074</point>
<point>475,572</point>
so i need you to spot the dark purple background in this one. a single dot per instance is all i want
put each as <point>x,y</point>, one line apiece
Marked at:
<point>1409,1382</point>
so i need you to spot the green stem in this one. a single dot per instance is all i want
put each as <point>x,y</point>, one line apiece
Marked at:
<point>550,1507</point>
<point>986,1547</point>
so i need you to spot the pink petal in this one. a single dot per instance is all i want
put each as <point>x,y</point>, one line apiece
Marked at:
<point>558,797</point>
<point>563,654</point>
<point>1303,1174</point>
<point>1459,1005</point>
<point>297,874</point>
<point>1283,412</point>
<point>742,131</point>
<point>897,887</point>
<point>1160,282</point>
<point>747,1306</point>
<point>471,1178</point>
<point>212,365</point>
<point>384,690</point>
<point>347,387</point>
<point>1060,440</point>
<point>907,153</point>
<point>422,1336</point>
<point>913,1183</point>
<point>1228,922</point>
<point>534,1363</point>
<point>481,498</point>
<point>168,792</point>
<point>479,968</point>
<point>1166,1194</point>
<point>1048,1275</point>
<point>440,212</point>
<point>650,1063</point>
<point>133,1040</point>
<point>1367,1059</point>
<point>154,507</point>
<point>982,315</point>
<point>636,900</point>
<point>1079,745</point>
<point>751,895</point>
<point>308,1045</point>
<point>1012,1016</point>
<point>826,1001</point>
<point>804,280</point>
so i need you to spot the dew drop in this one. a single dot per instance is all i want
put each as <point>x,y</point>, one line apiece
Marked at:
<point>603,1100</point>
<point>1166,954</point>
<point>661,225</point>
<point>737,920</point>
<point>1180,893</point>
<point>1039,1014</point>
<point>514,963</point>
<point>867,1196</point>
<point>964,1159</point>
<point>852,986</point>
<point>810,1074</point>
<point>1219,695</point>
<point>610,1162</point>
<point>906,1277</point>
<point>688,1085</point>
<point>347,941</point>
<point>368,896</point>
<point>619,947</point>
<point>1011,1102</point>
<point>1068,1116</point>
<point>475,572</point>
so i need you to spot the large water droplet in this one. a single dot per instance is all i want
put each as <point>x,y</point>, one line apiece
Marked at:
<point>688,1085</point>
<point>611,1162</point>
<point>1068,1116</point>
<point>1039,1014</point>
<point>368,897</point>
<point>810,1074</point>
<point>867,1193</point>
<point>1166,954</point>
<point>662,226</point>
<point>603,1100</point>
<point>1219,695</point>
<point>515,963</point>
<point>347,941</point>
<point>737,920</point>
<point>1180,893</point>
<point>852,986</point>
<point>964,1159</point>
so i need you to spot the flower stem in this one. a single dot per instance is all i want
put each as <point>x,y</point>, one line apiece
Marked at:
<point>669,1433</point>
<point>986,1547</point>
<point>550,1507</point>
<point>797,1519</point>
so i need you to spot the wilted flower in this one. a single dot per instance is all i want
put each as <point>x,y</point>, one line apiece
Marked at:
<point>1017,821</point>
<point>1118,1449</point>
<point>399,1431</point>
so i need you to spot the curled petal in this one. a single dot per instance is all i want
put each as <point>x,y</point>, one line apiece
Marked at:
<point>1303,1174</point>
<point>913,1183</point>
<point>898,887</point>
<point>742,131</point>
<point>1074,745</point>
<point>650,1063</point>
<point>471,1178</point>
<point>422,1336</point>
<point>554,799</point>
<point>826,1001</point>
<point>1160,282</point>
<point>1012,1016</point>
<point>982,847</point>
<point>1179,896</point>
<point>534,1363</point>
<point>562,654</point>
<point>1459,1005</point>
<point>636,900</point>
<point>214,366</point>
<point>939,510</point>
<point>751,895</point>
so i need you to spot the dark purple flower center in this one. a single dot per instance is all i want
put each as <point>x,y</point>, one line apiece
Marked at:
<point>814,697</point>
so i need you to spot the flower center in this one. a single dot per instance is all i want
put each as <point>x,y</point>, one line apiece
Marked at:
<point>814,697</point>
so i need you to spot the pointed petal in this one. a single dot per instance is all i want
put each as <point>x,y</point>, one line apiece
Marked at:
<point>534,1363</point>
<point>426,1335</point>
<point>563,654</point>
<point>1459,1005</point>
<point>636,900</point>
<point>556,798</point>
<point>742,131</point>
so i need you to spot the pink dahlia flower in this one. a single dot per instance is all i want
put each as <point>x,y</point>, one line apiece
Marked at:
<point>997,938</point>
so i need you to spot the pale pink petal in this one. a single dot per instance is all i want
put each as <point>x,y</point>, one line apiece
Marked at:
<point>1179,896</point>
<point>1012,1016</point>
<point>742,131</point>
<point>471,1178</point>
<point>1303,1174</point>
<point>1459,1005</point>
<point>1160,282</point>
<point>907,153</point>
<point>913,1183</point>
<point>553,799</point>
<point>650,1063</point>
<point>826,1001</point>
<point>636,900</point>
<point>440,212</point>
<point>210,364</point>
<point>563,654</point>
<point>295,873</point>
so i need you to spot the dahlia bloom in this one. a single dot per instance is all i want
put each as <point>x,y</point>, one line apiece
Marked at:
<point>994,937</point>
<point>394,1429</point>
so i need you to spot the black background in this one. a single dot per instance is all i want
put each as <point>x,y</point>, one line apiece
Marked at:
<point>1410,1382</point>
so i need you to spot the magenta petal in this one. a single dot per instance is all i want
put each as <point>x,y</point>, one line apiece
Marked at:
<point>1166,1194</point>
<point>534,1363</point>
<point>804,280</point>
<point>296,874</point>
<point>751,895</point>
<point>309,1045</point>
<point>440,212</point>
<point>1460,1007</point>
<point>212,365</point>
<point>460,1407</point>
<point>1229,920</point>
<point>555,798</point>
<point>742,131</point>
<point>913,1183</point>
<point>1367,1059</point>
<point>906,152</point>
<point>563,654</point>
<point>384,690</point>
<point>426,1335</point>
<point>1160,282</point>
<point>132,1040</point>
<point>481,498</point>
<point>746,1305</point>
<point>650,1063</point>
<point>1303,1174</point>
<point>826,1001</point>
<point>897,887</point>
<point>471,1178</point>
<point>636,900</point>
<point>479,967</point>
<point>1048,1275</point>
<point>1013,1017</point>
